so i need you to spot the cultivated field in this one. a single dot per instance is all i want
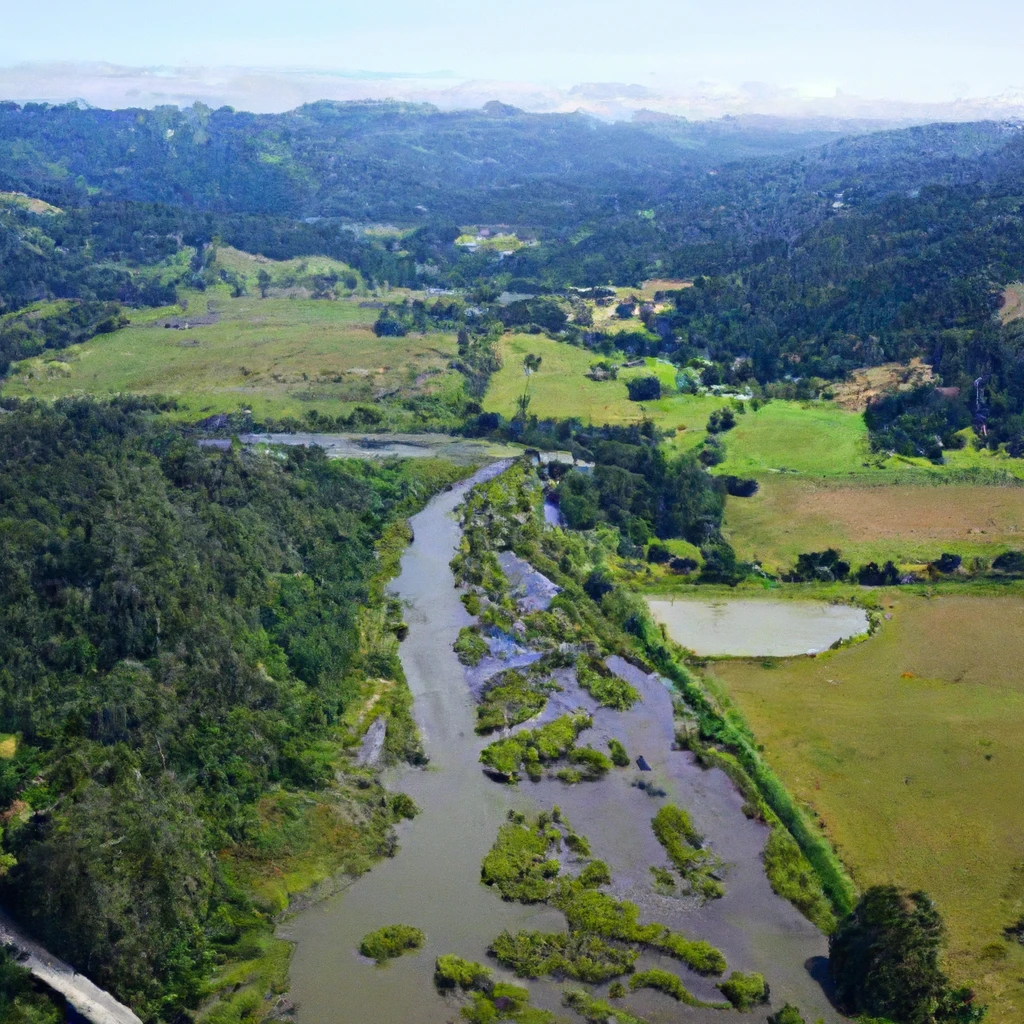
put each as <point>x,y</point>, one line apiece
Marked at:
<point>275,356</point>
<point>910,746</point>
<point>909,523</point>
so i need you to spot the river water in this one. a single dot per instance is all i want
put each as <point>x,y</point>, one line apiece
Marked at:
<point>757,628</point>
<point>433,882</point>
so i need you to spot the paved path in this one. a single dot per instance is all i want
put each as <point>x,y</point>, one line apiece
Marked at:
<point>91,1002</point>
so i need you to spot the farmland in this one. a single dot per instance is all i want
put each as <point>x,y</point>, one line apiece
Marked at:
<point>910,747</point>
<point>908,523</point>
<point>276,356</point>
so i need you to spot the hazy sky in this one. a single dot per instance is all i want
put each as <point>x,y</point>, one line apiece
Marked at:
<point>907,49</point>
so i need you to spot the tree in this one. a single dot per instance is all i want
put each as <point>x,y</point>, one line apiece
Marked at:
<point>531,363</point>
<point>644,389</point>
<point>884,959</point>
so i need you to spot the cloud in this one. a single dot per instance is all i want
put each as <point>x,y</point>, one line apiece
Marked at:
<point>266,90</point>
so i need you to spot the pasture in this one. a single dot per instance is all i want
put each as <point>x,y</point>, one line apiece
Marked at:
<point>561,388</point>
<point>910,748</point>
<point>274,356</point>
<point>910,523</point>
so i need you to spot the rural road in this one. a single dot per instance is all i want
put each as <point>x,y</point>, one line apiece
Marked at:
<point>91,1002</point>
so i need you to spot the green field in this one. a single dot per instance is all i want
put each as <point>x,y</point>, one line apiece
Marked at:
<point>561,388</point>
<point>276,356</point>
<point>910,746</point>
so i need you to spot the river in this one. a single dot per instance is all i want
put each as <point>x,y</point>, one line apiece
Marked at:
<point>433,882</point>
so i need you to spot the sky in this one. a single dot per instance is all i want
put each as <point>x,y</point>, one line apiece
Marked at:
<point>909,50</point>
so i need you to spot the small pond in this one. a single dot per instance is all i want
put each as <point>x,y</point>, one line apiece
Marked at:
<point>757,627</point>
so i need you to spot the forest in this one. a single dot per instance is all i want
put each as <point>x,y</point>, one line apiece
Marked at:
<point>222,609</point>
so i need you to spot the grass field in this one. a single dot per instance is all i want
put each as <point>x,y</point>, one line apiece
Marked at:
<point>910,746</point>
<point>909,523</point>
<point>561,388</point>
<point>275,356</point>
<point>797,437</point>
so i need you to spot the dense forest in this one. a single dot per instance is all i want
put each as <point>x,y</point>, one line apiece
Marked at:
<point>181,634</point>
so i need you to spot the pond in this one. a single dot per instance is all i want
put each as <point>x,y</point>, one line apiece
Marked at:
<point>757,627</point>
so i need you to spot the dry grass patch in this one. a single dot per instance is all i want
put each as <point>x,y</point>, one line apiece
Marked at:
<point>909,523</point>
<point>1013,303</point>
<point>862,386</point>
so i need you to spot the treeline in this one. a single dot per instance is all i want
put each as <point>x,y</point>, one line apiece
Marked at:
<point>180,636</point>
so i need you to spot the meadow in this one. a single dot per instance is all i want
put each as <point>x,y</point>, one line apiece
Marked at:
<point>276,357</point>
<point>561,388</point>
<point>910,748</point>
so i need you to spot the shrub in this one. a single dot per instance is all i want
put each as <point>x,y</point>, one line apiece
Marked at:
<point>658,554</point>
<point>744,991</point>
<point>620,757</point>
<point>712,452</point>
<point>644,389</point>
<point>789,1014</point>
<point>452,972</point>
<point>818,567</point>
<point>739,487</point>
<point>947,562</point>
<point>661,981</point>
<point>1009,562</point>
<point>391,941</point>
<point>721,420</point>
<point>470,646</point>
<point>871,575</point>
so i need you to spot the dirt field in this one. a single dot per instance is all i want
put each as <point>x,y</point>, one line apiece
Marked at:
<point>910,747</point>
<point>907,523</point>
<point>864,385</point>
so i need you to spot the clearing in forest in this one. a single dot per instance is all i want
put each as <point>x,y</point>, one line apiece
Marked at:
<point>910,747</point>
<point>1013,303</point>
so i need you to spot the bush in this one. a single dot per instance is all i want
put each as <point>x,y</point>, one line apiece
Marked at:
<point>947,562</point>
<point>470,646</point>
<point>452,972</point>
<point>789,1014</point>
<point>661,981</point>
<point>391,941</point>
<point>644,389</point>
<point>871,575</point>
<point>721,420</point>
<point>1009,562</point>
<point>744,991</point>
<point>818,567</point>
<point>712,452</point>
<point>617,751</point>
<point>658,554</point>
<point>739,487</point>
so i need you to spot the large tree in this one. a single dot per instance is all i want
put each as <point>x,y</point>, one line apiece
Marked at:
<point>885,960</point>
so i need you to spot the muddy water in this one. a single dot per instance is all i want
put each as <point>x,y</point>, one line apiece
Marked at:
<point>758,627</point>
<point>433,882</point>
